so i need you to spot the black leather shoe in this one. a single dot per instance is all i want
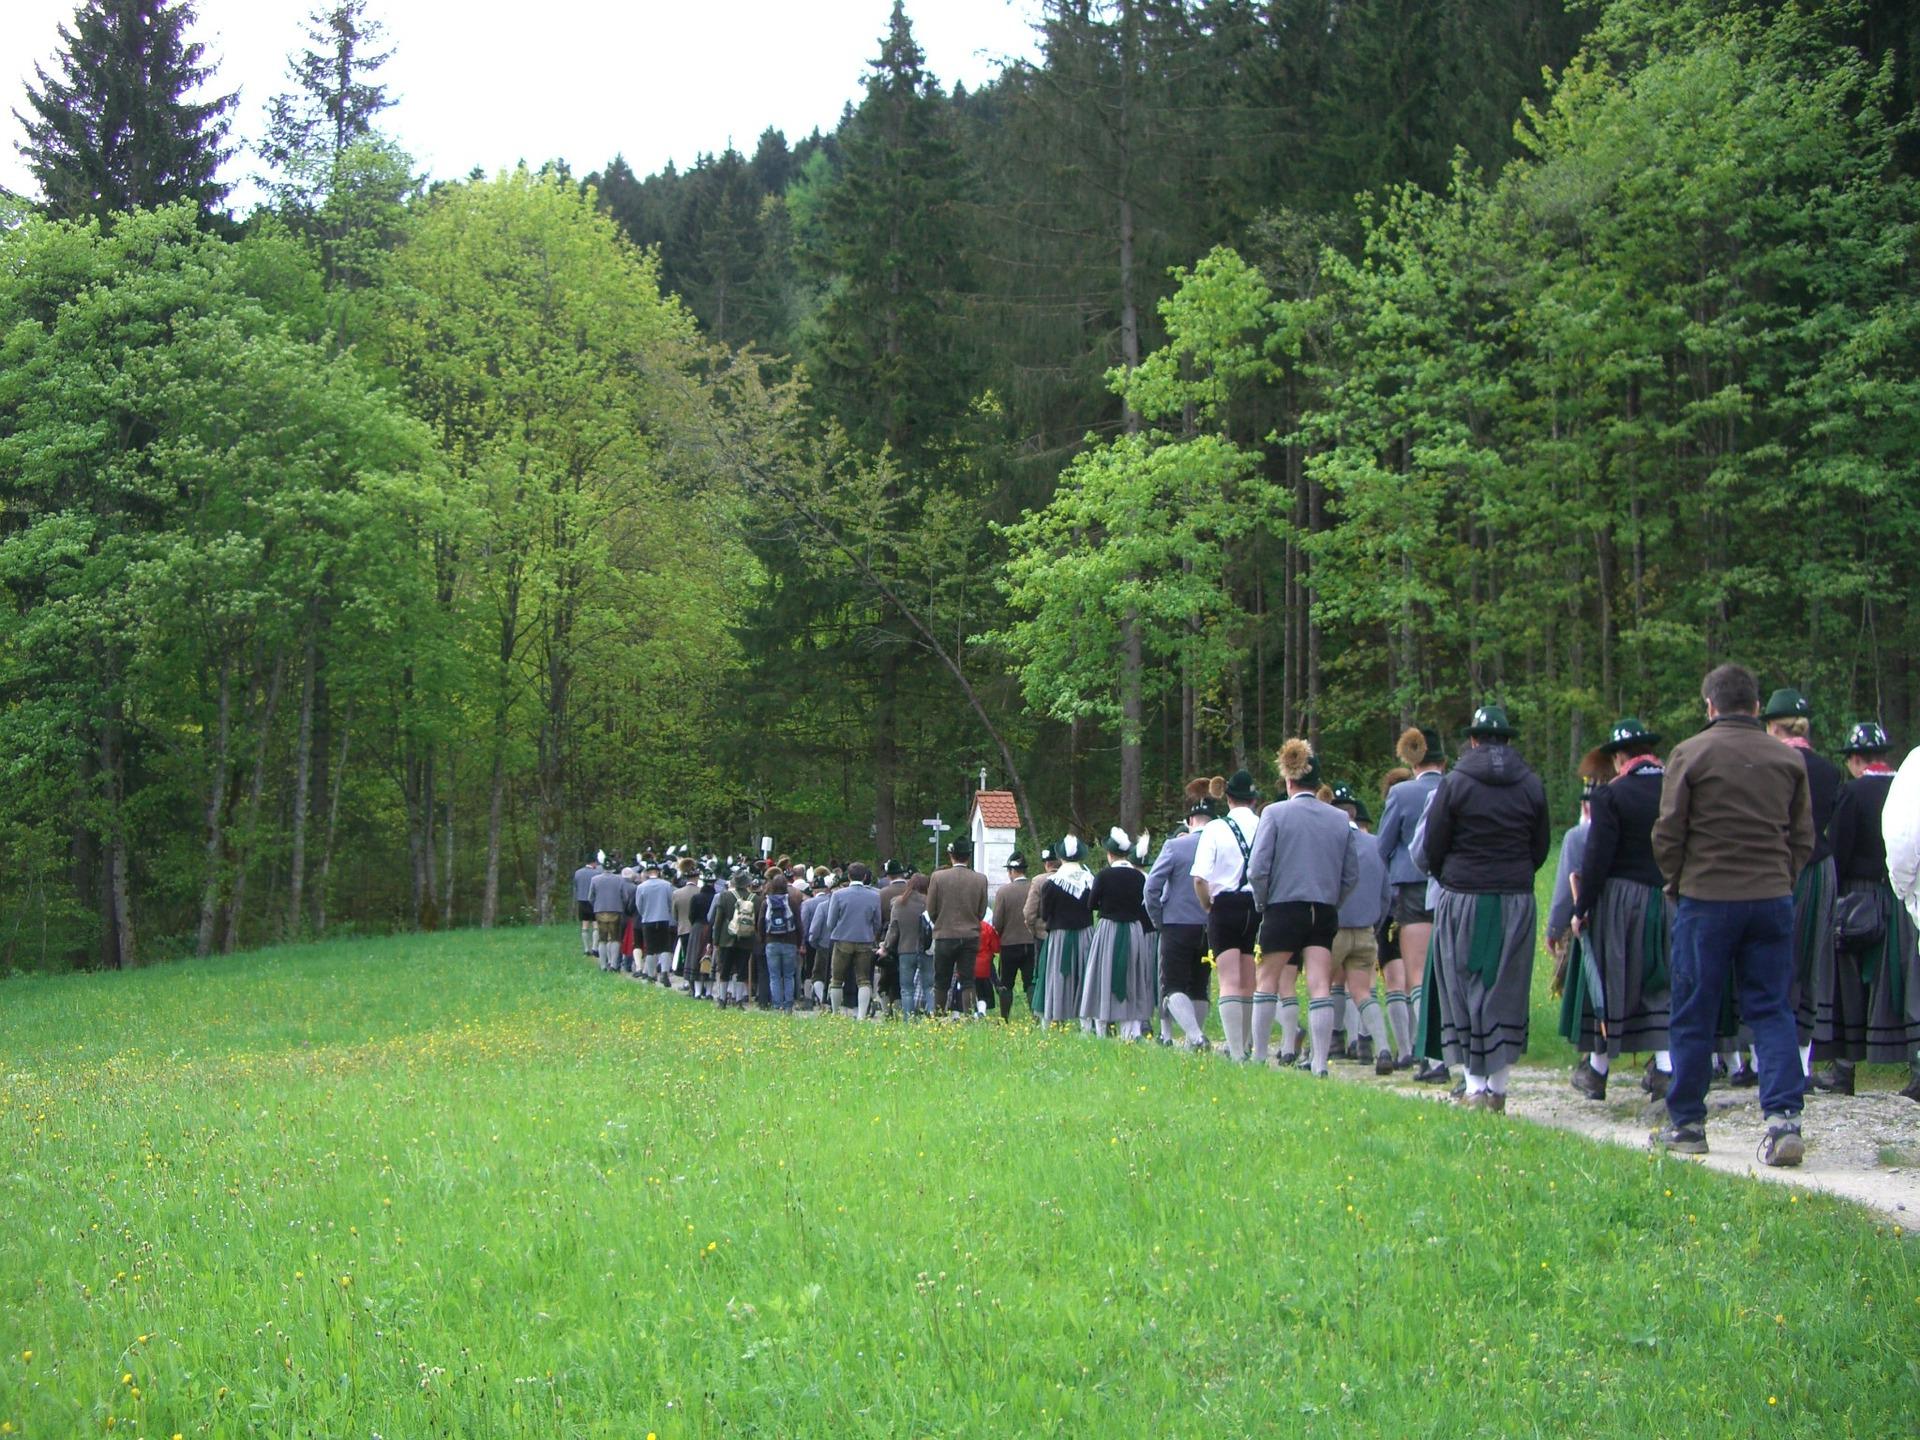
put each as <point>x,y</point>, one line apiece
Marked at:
<point>1432,1074</point>
<point>1743,1077</point>
<point>1588,1081</point>
<point>1656,1082</point>
<point>1912,1090</point>
<point>1836,1079</point>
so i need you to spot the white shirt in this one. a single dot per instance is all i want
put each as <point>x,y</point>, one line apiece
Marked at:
<point>1900,824</point>
<point>1217,860</point>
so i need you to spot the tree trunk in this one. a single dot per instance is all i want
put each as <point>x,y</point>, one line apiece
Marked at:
<point>886,760</point>
<point>255,790</point>
<point>497,783</point>
<point>302,780</point>
<point>216,813</point>
<point>325,871</point>
<point>119,898</point>
<point>1132,727</point>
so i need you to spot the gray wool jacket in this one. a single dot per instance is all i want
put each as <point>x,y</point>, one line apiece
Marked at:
<point>853,918</point>
<point>1406,803</point>
<point>1170,895</point>
<point>1303,850</point>
<point>653,902</point>
<point>608,894</point>
<point>1367,906</point>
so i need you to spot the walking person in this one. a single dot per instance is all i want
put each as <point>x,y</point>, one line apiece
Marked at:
<point>1419,749</point>
<point>819,948</point>
<point>886,973</point>
<point>1356,945</point>
<point>956,904</point>
<point>583,899</point>
<point>1872,1008</point>
<point>1113,987</point>
<point>852,927</point>
<point>1305,862</point>
<point>734,929</point>
<point>703,961</point>
<point>607,894</point>
<point>653,915</point>
<point>1486,834</point>
<point>905,944</point>
<point>1066,915</point>
<point>1173,908</point>
<point>1788,716</point>
<point>1900,829</point>
<point>778,918</point>
<point>1222,885</point>
<point>684,895</point>
<point>1735,829</point>
<point>1620,913</point>
<point>1034,909</point>
<point>1016,935</point>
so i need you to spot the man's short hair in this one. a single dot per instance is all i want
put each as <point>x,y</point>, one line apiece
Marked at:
<point>861,874</point>
<point>1731,690</point>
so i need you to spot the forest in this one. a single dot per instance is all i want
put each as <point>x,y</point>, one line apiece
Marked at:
<point>1227,372</point>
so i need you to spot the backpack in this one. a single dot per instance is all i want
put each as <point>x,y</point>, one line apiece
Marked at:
<point>779,919</point>
<point>740,927</point>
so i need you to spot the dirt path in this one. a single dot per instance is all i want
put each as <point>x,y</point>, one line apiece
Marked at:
<point>1846,1136</point>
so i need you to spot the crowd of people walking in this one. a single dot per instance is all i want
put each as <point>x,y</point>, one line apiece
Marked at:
<point>1736,910</point>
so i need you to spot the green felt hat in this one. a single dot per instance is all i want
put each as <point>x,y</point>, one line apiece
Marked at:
<point>1787,704</point>
<point>1490,723</point>
<point>1628,734</point>
<point>1241,787</point>
<point>1866,738</point>
<point>1343,794</point>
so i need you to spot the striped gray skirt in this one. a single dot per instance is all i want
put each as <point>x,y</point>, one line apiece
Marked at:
<point>1632,937</point>
<point>1869,1006</point>
<point>1482,951</point>
<point>1061,974</point>
<point>1120,981</point>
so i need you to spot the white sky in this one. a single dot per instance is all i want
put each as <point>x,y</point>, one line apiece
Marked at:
<point>489,82</point>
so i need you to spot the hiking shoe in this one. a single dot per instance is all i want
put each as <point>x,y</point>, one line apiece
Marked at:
<point>1588,1081</point>
<point>1912,1090</point>
<point>1781,1145</point>
<point>1432,1074</point>
<point>1406,1062</point>
<point>1681,1139</point>
<point>1366,1050</point>
<point>1836,1079</point>
<point>1383,1064</point>
<point>1486,1100</point>
<point>1350,1051</point>
<point>1285,1060</point>
<point>1743,1077</point>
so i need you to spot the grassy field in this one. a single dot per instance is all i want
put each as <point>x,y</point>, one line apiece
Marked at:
<point>467,1186</point>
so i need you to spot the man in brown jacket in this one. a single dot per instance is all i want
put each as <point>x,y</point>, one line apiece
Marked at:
<point>956,904</point>
<point>1016,936</point>
<point>1735,828</point>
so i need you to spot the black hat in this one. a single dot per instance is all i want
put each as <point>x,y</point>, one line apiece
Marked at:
<point>1490,723</point>
<point>1017,861</point>
<point>1240,786</point>
<point>1436,747</point>
<point>1628,734</point>
<point>1866,738</point>
<point>1047,857</point>
<point>1343,795</point>
<point>891,868</point>
<point>960,849</point>
<point>1787,704</point>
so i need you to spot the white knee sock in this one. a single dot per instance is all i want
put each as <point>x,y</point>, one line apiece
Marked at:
<point>1415,997</point>
<point>1373,1024</point>
<point>1497,1081</point>
<point>1200,1021</point>
<point>1401,1022</point>
<point>865,1002</point>
<point>1663,1061</point>
<point>1600,1061</point>
<point>1806,1058</point>
<point>1236,1016</point>
<point>1290,1025</point>
<point>1180,1007</point>
<point>1320,1013</point>
<point>1475,1083</point>
<point>1339,996</point>
<point>1263,1005</point>
<point>586,937</point>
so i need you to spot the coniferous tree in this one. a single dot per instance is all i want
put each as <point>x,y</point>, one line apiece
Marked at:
<point>334,103</point>
<point>115,130</point>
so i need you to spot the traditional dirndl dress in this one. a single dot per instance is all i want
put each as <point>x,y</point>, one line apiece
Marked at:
<point>1062,974</point>
<point>1873,1011</point>
<point>1483,953</point>
<point>1631,935</point>
<point>1117,984</point>
<point>1814,894</point>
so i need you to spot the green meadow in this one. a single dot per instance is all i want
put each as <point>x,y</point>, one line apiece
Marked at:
<point>466,1185</point>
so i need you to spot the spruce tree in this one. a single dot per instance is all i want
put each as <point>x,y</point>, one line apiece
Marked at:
<point>114,130</point>
<point>335,100</point>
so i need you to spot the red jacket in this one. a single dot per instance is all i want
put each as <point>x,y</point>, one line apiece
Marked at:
<point>989,947</point>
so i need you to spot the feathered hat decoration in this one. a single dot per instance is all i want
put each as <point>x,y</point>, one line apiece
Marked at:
<point>1118,842</point>
<point>1140,848</point>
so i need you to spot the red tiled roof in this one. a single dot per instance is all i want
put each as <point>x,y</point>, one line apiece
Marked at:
<point>996,807</point>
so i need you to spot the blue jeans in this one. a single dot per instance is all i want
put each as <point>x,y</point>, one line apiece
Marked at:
<point>782,960</point>
<point>916,982</point>
<point>1751,943</point>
